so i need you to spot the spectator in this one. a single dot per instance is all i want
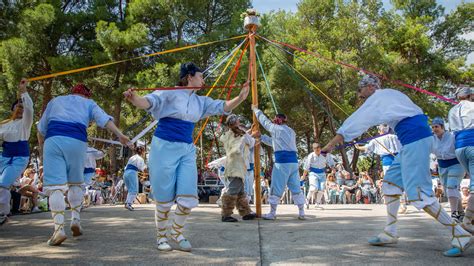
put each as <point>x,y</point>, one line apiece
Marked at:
<point>39,179</point>
<point>332,188</point>
<point>348,189</point>
<point>265,189</point>
<point>368,190</point>
<point>27,189</point>
<point>339,174</point>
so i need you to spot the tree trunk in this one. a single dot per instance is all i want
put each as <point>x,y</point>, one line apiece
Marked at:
<point>47,93</point>
<point>355,158</point>
<point>116,115</point>
<point>308,141</point>
<point>216,141</point>
<point>345,160</point>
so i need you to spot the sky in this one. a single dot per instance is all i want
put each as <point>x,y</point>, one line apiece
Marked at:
<point>264,6</point>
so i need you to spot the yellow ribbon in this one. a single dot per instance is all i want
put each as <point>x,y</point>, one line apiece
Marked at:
<point>130,59</point>
<point>215,83</point>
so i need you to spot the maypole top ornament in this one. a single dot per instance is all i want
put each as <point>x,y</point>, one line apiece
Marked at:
<point>251,19</point>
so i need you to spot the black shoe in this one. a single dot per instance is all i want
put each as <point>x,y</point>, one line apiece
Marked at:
<point>249,216</point>
<point>461,215</point>
<point>455,217</point>
<point>229,219</point>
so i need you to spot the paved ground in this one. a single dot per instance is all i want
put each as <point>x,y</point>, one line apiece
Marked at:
<point>336,235</point>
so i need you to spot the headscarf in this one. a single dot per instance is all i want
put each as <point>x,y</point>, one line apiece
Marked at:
<point>438,121</point>
<point>369,80</point>
<point>82,89</point>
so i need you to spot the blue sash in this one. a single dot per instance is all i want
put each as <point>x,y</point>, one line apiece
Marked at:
<point>16,149</point>
<point>131,167</point>
<point>412,129</point>
<point>175,130</point>
<point>464,138</point>
<point>251,166</point>
<point>387,159</point>
<point>447,163</point>
<point>317,170</point>
<point>67,129</point>
<point>89,170</point>
<point>286,157</point>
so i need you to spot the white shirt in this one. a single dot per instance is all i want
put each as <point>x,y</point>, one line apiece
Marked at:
<point>237,153</point>
<point>19,129</point>
<point>137,161</point>
<point>444,148</point>
<point>91,156</point>
<point>283,137</point>
<point>72,108</point>
<point>380,145</point>
<point>318,161</point>
<point>461,116</point>
<point>183,105</point>
<point>385,106</point>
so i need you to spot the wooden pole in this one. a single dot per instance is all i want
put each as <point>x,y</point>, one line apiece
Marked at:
<point>251,23</point>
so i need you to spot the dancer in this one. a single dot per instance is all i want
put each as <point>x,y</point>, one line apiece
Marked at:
<point>237,144</point>
<point>285,170</point>
<point>172,163</point>
<point>461,122</point>
<point>315,165</point>
<point>249,177</point>
<point>387,147</point>
<point>411,169</point>
<point>62,130</point>
<point>449,169</point>
<point>14,135</point>
<point>92,155</point>
<point>130,175</point>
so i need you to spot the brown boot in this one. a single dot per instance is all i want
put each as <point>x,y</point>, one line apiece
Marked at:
<point>243,205</point>
<point>228,205</point>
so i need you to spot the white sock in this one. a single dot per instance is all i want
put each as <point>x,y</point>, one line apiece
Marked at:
<point>4,201</point>
<point>180,215</point>
<point>300,210</point>
<point>273,209</point>
<point>393,203</point>
<point>453,203</point>
<point>319,197</point>
<point>74,196</point>
<point>437,212</point>
<point>161,221</point>
<point>57,205</point>
<point>469,214</point>
<point>130,198</point>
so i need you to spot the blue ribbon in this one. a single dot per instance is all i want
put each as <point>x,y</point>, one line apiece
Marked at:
<point>387,159</point>
<point>464,138</point>
<point>67,129</point>
<point>412,129</point>
<point>131,167</point>
<point>447,163</point>
<point>89,170</point>
<point>175,130</point>
<point>16,149</point>
<point>317,170</point>
<point>286,157</point>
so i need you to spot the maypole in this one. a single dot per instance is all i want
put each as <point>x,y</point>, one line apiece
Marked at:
<point>251,23</point>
